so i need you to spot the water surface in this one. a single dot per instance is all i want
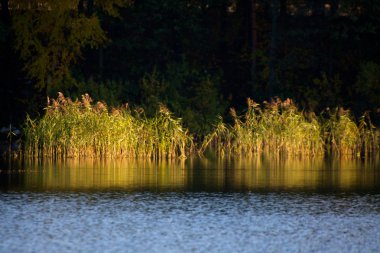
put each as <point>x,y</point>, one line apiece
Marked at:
<point>198,205</point>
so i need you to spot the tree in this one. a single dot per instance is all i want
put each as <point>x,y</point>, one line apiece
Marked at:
<point>272,82</point>
<point>253,44</point>
<point>50,35</point>
<point>5,15</point>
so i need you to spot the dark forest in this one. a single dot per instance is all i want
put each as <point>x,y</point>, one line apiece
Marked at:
<point>199,58</point>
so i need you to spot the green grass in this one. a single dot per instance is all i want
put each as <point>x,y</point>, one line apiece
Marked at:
<point>83,129</point>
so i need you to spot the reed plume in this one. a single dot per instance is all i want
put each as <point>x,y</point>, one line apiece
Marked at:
<point>81,128</point>
<point>279,127</point>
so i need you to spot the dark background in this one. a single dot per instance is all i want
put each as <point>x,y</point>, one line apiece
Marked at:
<point>197,57</point>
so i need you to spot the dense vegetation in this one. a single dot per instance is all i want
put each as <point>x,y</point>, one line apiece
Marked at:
<point>81,128</point>
<point>198,57</point>
<point>280,128</point>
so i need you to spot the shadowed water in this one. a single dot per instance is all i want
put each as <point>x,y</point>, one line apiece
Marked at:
<point>198,205</point>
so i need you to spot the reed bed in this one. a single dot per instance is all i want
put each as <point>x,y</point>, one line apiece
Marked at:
<point>82,128</point>
<point>280,128</point>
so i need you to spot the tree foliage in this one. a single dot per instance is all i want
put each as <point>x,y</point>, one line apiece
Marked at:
<point>51,35</point>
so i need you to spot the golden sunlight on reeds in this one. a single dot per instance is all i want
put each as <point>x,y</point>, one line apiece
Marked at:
<point>257,173</point>
<point>220,174</point>
<point>96,174</point>
<point>82,128</point>
<point>280,128</point>
<point>290,173</point>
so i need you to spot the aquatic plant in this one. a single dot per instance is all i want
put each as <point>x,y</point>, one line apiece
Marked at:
<point>279,127</point>
<point>82,128</point>
<point>369,135</point>
<point>341,133</point>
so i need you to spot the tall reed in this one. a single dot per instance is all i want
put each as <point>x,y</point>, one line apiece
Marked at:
<point>369,135</point>
<point>341,133</point>
<point>82,128</point>
<point>279,127</point>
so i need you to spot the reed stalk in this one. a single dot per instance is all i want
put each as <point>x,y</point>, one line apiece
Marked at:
<point>278,127</point>
<point>82,128</point>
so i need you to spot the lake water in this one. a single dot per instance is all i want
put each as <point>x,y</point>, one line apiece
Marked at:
<point>260,204</point>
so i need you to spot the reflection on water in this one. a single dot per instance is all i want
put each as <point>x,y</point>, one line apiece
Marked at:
<point>254,174</point>
<point>72,174</point>
<point>198,205</point>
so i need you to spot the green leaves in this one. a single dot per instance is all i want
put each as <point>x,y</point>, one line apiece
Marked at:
<point>50,38</point>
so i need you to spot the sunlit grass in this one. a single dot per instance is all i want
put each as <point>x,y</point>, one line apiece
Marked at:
<point>279,128</point>
<point>82,128</point>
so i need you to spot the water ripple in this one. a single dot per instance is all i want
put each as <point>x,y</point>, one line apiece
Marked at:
<point>189,222</point>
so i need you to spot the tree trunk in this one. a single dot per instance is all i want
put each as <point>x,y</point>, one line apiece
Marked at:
<point>271,88</point>
<point>90,7</point>
<point>283,8</point>
<point>334,7</point>
<point>253,45</point>
<point>222,51</point>
<point>318,8</point>
<point>101,61</point>
<point>5,15</point>
<point>80,7</point>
